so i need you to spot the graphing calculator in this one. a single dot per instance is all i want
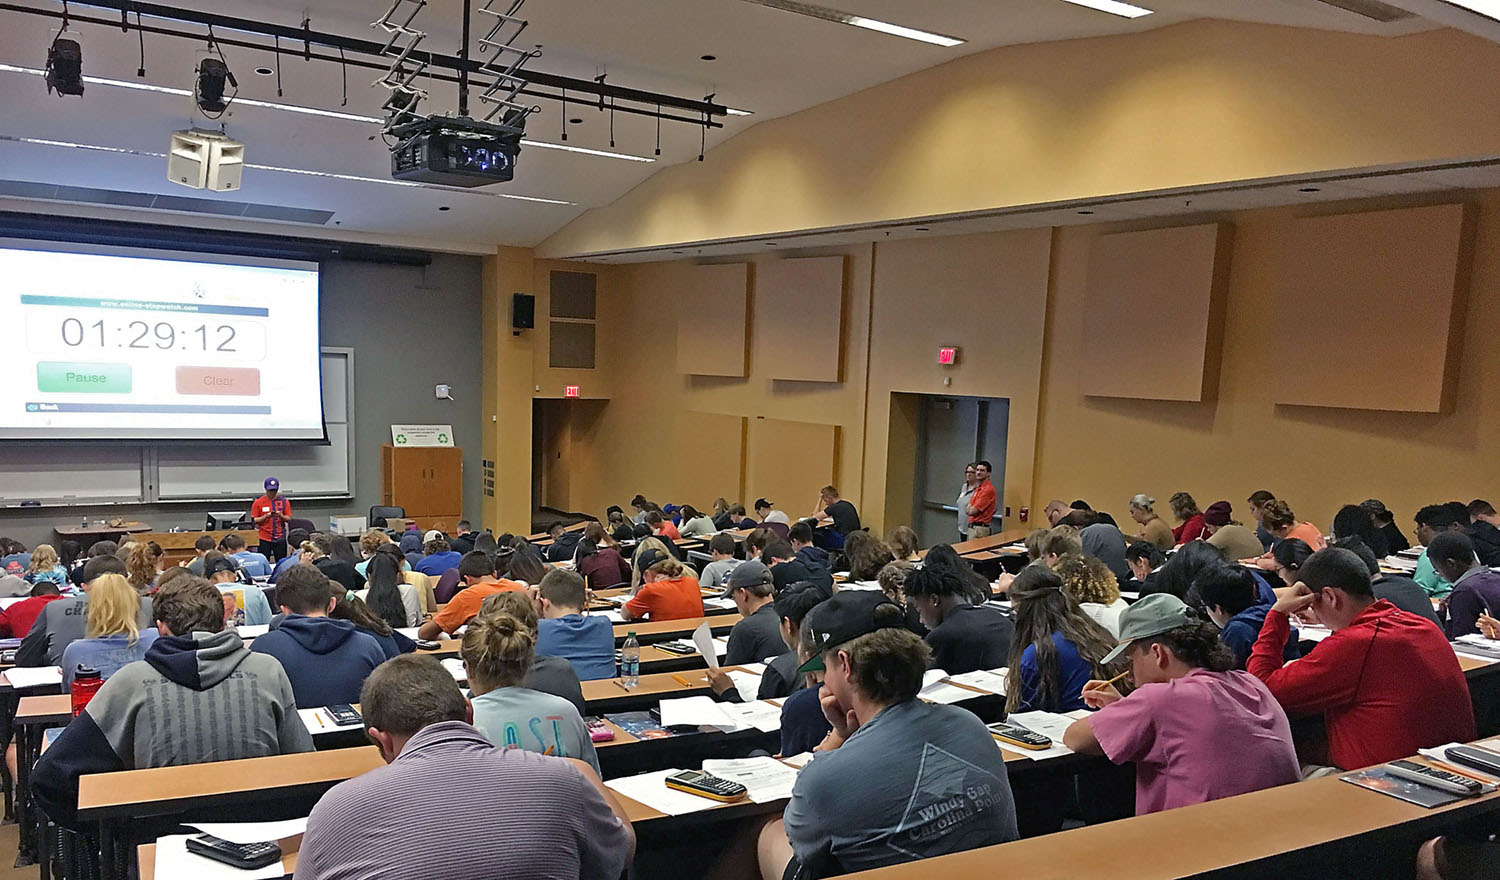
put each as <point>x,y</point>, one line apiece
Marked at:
<point>344,715</point>
<point>677,647</point>
<point>599,732</point>
<point>1434,778</point>
<point>240,855</point>
<point>704,785</point>
<point>1019,737</point>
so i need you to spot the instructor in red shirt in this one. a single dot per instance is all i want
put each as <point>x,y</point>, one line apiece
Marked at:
<point>271,512</point>
<point>1387,682</point>
<point>981,502</point>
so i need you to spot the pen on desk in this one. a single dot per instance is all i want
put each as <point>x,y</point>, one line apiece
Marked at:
<point>623,686</point>
<point>1105,684</point>
<point>682,681</point>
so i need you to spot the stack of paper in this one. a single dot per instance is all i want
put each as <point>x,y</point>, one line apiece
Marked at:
<point>247,631</point>
<point>696,712</point>
<point>747,683</point>
<point>990,681</point>
<point>766,779</point>
<point>455,668</point>
<point>798,760</point>
<point>26,677</point>
<point>860,585</point>
<point>760,714</point>
<point>319,721</point>
<point>935,690</point>
<point>727,604</point>
<point>408,631</point>
<point>612,616</point>
<point>651,789</point>
<point>1048,724</point>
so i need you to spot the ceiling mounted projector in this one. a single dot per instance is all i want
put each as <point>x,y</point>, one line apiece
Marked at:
<point>205,160</point>
<point>455,151</point>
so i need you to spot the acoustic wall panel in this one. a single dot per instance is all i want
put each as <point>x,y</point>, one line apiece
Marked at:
<point>1367,309</point>
<point>715,465</point>
<point>1153,322</point>
<point>712,319</point>
<point>799,319</point>
<point>788,462</point>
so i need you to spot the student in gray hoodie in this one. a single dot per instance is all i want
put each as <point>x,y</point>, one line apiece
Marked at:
<point>327,660</point>
<point>199,696</point>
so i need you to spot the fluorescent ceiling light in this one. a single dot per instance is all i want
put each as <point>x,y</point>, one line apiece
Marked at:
<point>1487,8</point>
<point>1113,7</point>
<point>330,114</point>
<point>99,148</point>
<point>859,21</point>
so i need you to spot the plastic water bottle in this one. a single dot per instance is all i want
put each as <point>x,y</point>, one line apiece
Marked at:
<point>86,683</point>
<point>630,661</point>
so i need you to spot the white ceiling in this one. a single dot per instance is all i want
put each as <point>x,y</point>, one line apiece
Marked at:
<point>769,61</point>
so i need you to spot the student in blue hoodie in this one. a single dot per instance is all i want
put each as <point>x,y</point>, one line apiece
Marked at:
<point>588,642</point>
<point>198,696</point>
<point>327,660</point>
<point>801,536</point>
<point>1231,595</point>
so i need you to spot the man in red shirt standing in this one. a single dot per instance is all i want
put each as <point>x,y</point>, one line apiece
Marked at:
<point>271,512</point>
<point>1386,681</point>
<point>981,502</point>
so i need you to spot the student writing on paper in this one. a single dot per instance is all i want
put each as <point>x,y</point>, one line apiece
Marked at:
<point>867,556</point>
<point>346,606</point>
<point>1476,589</point>
<point>199,695</point>
<point>563,630</point>
<point>897,779</point>
<point>963,637</point>
<point>1057,648</point>
<point>548,674</point>
<point>113,635</point>
<point>668,590</point>
<point>478,573</point>
<point>716,573</point>
<point>327,660</point>
<point>1189,704</point>
<point>497,655</point>
<point>1232,600</point>
<point>1386,682</point>
<point>62,622</point>
<point>541,817</point>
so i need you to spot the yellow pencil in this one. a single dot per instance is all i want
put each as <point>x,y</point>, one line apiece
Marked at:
<point>682,681</point>
<point>1105,684</point>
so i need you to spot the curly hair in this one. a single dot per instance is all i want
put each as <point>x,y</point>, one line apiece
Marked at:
<point>1196,644</point>
<point>1277,514</point>
<point>1087,579</point>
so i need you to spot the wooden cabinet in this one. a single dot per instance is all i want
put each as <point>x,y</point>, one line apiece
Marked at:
<point>426,481</point>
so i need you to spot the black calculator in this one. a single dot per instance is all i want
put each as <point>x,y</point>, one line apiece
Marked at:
<point>344,715</point>
<point>706,785</point>
<point>240,855</point>
<point>1019,736</point>
<point>677,647</point>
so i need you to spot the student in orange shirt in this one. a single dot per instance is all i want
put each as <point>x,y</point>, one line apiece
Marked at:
<point>662,527</point>
<point>478,573</point>
<point>668,591</point>
<point>1278,519</point>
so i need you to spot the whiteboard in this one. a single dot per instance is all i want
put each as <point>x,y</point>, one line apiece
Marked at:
<point>55,474</point>
<point>230,471</point>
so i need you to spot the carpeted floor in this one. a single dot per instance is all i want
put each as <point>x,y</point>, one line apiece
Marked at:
<point>8,857</point>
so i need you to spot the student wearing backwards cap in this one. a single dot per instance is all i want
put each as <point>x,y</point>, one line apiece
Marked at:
<point>897,779</point>
<point>1188,703</point>
<point>271,512</point>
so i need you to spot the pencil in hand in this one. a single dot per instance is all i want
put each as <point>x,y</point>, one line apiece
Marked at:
<point>1100,685</point>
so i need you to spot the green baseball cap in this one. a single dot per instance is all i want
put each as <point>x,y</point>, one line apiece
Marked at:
<point>1151,616</point>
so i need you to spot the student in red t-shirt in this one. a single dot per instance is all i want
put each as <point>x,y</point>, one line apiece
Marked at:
<point>271,512</point>
<point>662,527</point>
<point>981,508</point>
<point>16,621</point>
<point>1386,681</point>
<point>668,591</point>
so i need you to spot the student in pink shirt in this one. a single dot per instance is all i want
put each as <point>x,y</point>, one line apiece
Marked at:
<point>1196,728</point>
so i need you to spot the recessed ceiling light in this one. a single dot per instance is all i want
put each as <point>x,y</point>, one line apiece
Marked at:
<point>708,57</point>
<point>576,120</point>
<point>1487,8</point>
<point>860,21</point>
<point>1113,7</point>
<point>265,71</point>
<point>770,244</point>
<point>677,252</point>
<point>1310,189</point>
<point>1085,211</point>
<point>444,208</point>
<point>922,229</point>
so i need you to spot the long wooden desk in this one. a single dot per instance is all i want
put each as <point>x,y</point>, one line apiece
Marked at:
<point>100,531</point>
<point>986,545</point>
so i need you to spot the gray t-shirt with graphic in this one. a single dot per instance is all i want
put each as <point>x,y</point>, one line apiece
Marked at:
<point>919,780</point>
<point>521,718</point>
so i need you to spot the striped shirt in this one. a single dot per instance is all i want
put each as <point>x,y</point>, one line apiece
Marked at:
<point>454,806</point>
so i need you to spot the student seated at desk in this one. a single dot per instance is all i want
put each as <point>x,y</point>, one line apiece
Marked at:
<point>497,654</point>
<point>902,542</point>
<point>1282,523</point>
<point>113,635</point>
<point>1475,587</point>
<point>766,512</point>
<point>787,569</point>
<point>662,527</point>
<point>478,573</point>
<point>550,675</point>
<point>437,557</point>
<point>867,556</point>
<point>652,543</point>
<point>668,590</point>
<point>1196,728</point>
<point>1231,598</point>
<point>781,678</point>
<point>142,564</point>
<point>619,529</point>
<point>897,779</point>
<point>450,805</point>
<point>1094,587</point>
<point>16,619</point>
<point>563,630</point>
<point>695,524</point>
<point>800,536</point>
<point>723,515</point>
<point>347,607</point>
<point>335,557</point>
<point>563,543</point>
<point>1386,682</point>
<point>756,638</point>
<point>1144,559</point>
<point>834,511</point>
<point>1153,529</point>
<point>976,586</point>
<point>1189,517</point>
<point>295,538</point>
<point>962,636</point>
<point>600,565</point>
<point>201,546</point>
<point>369,542</point>
<point>45,567</point>
<point>61,623</point>
<point>1057,648</point>
<point>254,564</point>
<point>326,660</point>
<point>803,724</point>
<point>196,697</point>
<point>1235,541</point>
<point>387,593</point>
<point>225,574</point>
<point>716,573</point>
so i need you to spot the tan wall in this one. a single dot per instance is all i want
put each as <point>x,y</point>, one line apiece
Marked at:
<point>1195,103</point>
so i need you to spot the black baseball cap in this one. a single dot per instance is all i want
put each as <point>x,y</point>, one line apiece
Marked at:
<point>761,502</point>
<point>223,563</point>
<point>845,617</point>
<point>649,557</point>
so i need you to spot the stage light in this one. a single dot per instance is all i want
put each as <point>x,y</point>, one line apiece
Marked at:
<point>208,90</point>
<point>65,67</point>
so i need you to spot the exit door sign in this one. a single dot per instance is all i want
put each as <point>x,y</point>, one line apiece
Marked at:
<point>570,391</point>
<point>948,355</point>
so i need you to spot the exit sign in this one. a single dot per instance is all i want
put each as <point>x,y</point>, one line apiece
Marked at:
<point>948,355</point>
<point>570,391</point>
